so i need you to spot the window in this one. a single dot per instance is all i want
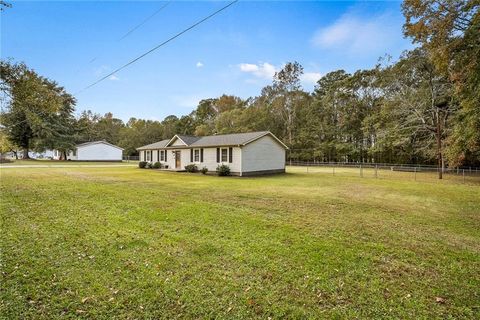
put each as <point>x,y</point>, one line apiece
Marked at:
<point>74,152</point>
<point>162,155</point>
<point>224,155</point>
<point>196,155</point>
<point>149,154</point>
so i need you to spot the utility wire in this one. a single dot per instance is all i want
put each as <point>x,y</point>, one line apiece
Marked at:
<point>144,21</point>
<point>137,26</point>
<point>160,45</point>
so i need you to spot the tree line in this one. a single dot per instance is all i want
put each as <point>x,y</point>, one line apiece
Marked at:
<point>423,108</point>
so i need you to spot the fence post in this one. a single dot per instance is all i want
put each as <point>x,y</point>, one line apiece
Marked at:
<point>361,172</point>
<point>307,166</point>
<point>415,173</point>
<point>376,168</point>
<point>333,170</point>
<point>463,173</point>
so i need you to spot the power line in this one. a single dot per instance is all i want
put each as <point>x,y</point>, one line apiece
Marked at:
<point>160,45</point>
<point>137,26</point>
<point>144,21</point>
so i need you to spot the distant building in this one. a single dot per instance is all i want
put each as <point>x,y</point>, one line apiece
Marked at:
<point>93,151</point>
<point>251,153</point>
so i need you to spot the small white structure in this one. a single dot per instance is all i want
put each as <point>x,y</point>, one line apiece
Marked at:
<point>93,151</point>
<point>251,153</point>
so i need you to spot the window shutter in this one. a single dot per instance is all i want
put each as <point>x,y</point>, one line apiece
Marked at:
<point>158,155</point>
<point>165,152</point>
<point>218,155</point>
<point>230,155</point>
<point>191,155</point>
<point>201,155</point>
<point>145,155</point>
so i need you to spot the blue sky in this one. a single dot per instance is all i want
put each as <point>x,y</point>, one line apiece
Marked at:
<point>236,52</point>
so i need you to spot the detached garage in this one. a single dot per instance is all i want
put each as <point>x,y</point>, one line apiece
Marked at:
<point>94,151</point>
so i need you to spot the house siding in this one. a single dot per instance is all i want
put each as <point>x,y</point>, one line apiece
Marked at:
<point>263,154</point>
<point>100,152</point>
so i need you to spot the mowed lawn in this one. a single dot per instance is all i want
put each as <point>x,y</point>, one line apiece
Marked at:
<point>129,243</point>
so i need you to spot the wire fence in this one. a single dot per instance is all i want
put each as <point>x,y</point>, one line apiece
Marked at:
<point>131,158</point>
<point>413,172</point>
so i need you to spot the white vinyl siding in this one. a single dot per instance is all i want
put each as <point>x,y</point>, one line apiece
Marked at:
<point>97,151</point>
<point>263,154</point>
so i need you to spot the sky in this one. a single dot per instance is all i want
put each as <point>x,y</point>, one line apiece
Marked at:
<point>236,52</point>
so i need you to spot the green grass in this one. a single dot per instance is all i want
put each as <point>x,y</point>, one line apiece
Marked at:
<point>42,162</point>
<point>130,243</point>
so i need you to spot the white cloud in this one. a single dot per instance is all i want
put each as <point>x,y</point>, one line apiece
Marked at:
<point>263,70</point>
<point>266,71</point>
<point>199,64</point>
<point>356,34</point>
<point>113,78</point>
<point>310,77</point>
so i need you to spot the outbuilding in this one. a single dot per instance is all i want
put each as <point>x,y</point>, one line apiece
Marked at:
<point>93,151</point>
<point>251,153</point>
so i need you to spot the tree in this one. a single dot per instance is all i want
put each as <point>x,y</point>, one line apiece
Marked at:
<point>6,145</point>
<point>38,112</point>
<point>450,33</point>
<point>421,101</point>
<point>287,88</point>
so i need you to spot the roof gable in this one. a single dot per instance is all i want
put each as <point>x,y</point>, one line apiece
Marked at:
<point>234,139</point>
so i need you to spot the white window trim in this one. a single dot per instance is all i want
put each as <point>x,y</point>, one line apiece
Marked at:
<point>194,156</point>
<point>221,155</point>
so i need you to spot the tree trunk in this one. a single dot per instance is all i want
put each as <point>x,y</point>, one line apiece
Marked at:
<point>439,152</point>
<point>25,154</point>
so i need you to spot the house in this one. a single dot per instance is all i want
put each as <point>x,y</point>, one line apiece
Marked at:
<point>93,151</point>
<point>251,153</point>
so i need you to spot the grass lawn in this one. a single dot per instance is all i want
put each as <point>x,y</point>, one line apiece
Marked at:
<point>130,243</point>
<point>52,163</point>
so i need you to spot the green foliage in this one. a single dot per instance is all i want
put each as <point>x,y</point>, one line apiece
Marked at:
<point>157,165</point>
<point>223,170</point>
<point>191,168</point>
<point>142,164</point>
<point>204,170</point>
<point>39,113</point>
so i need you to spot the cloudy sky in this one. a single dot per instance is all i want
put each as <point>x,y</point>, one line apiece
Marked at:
<point>236,52</point>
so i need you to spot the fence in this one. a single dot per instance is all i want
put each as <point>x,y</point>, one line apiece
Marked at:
<point>386,171</point>
<point>131,158</point>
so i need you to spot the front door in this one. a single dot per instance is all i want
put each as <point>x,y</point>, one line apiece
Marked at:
<point>177,159</point>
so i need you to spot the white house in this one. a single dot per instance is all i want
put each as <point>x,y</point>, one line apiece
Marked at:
<point>93,151</point>
<point>251,153</point>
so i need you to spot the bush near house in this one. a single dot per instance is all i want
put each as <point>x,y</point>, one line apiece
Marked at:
<point>157,165</point>
<point>204,170</point>
<point>142,164</point>
<point>223,170</point>
<point>191,168</point>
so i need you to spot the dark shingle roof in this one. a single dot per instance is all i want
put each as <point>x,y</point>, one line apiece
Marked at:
<point>156,145</point>
<point>188,139</point>
<point>234,139</point>
<point>228,139</point>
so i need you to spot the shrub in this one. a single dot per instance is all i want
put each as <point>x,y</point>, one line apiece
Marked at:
<point>142,164</point>
<point>148,165</point>
<point>191,168</point>
<point>157,165</point>
<point>223,170</point>
<point>204,170</point>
